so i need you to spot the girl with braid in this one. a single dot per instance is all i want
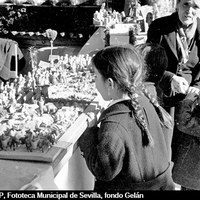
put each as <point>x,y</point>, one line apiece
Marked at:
<point>128,148</point>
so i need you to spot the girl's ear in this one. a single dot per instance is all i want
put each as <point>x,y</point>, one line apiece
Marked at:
<point>110,83</point>
<point>110,87</point>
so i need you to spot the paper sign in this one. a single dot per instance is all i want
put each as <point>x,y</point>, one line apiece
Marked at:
<point>44,64</point>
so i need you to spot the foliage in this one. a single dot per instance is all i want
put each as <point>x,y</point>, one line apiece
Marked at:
<point>11,15</point>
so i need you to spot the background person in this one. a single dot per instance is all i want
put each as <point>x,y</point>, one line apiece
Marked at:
<point>156,62</point>
<point>187,152</point>
<point>179,35</point>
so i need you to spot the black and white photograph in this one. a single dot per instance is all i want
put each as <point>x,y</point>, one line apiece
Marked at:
<point>99,99</point>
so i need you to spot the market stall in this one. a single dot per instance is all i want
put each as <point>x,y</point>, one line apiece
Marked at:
<point>61,167</point>
<point>25,166</point>
<point>60,78</point>
<point>97,40</point>
<point>29,166</point>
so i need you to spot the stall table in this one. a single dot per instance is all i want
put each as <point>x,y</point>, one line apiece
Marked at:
<point>68,171</point>
<point>97,41</point>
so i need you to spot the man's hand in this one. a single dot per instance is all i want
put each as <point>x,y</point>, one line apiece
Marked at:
<point>179,84</point>
<point>193,90</point>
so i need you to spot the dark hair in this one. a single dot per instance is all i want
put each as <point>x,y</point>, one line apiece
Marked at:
<point>121,63</point>
<point>155,59</point>
<point>125,66</point>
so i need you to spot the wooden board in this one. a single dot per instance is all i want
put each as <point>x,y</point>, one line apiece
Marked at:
<point>48,156</point>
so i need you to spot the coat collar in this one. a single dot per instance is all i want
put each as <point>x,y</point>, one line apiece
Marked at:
<point>118,108</point>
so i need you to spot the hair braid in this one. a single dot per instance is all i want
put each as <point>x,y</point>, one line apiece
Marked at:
<point>140,120</point>
<point>164,116</point>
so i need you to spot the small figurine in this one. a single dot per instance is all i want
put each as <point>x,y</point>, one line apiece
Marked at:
<point>134,9</point>
<point>54,78</point>
<point>107,37</point>
<point>41,105</point>
<point>1,87</point>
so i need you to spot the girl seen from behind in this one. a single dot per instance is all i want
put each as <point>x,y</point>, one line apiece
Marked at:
<point>128,148</point>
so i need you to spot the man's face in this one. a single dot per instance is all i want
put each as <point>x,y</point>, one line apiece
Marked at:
<point>188,11</point>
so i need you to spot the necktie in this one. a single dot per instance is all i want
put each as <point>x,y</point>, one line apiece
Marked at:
<point>183,38</point>
<point>182,41</point>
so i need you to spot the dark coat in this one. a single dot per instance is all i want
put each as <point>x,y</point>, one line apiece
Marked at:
<point>186,146</point>
<point>116,157</point>
<point>163,31</point>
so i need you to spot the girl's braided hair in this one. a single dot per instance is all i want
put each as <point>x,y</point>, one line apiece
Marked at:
<point>125,66</point>
<point>163,115</point>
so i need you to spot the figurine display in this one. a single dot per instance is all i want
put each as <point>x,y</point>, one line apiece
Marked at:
<point>36,109</point>
<point>108,18</point>
<point>118,24</point>
<point>134,10</point>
